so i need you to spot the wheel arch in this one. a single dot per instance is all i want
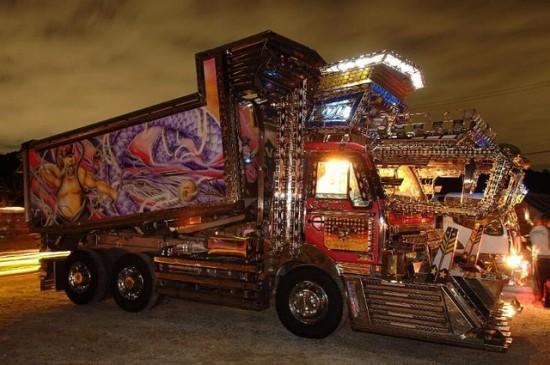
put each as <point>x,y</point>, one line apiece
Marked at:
<point>120,254</point>
<point>311,257</point>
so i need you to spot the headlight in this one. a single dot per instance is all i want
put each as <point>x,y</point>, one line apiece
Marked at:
<point>514,261</point>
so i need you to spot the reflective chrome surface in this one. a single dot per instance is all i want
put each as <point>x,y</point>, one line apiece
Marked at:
<point>80,277</point>
<point>130,283</point>
<point>308,302</point>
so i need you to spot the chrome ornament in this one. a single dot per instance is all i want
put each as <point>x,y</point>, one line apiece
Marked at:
<point>308,302</point>
<point>130,283</point>
<point>80,277</point>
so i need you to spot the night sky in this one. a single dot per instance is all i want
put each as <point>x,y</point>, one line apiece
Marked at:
<point>65,64</point>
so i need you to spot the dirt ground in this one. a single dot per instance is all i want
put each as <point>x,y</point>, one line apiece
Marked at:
<point>45,328</point>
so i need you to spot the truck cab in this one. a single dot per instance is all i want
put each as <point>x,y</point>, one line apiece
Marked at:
<point>344,213</point>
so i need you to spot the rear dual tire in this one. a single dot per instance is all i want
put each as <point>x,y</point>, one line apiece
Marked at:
<point>130,280</point>
<point>86,277</point>
<point>133,283</point>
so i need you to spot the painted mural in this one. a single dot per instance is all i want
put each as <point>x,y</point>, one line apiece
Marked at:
<point>171,162</point>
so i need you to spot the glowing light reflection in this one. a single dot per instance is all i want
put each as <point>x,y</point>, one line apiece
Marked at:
<point>28,261</point>
<point>514,261</point>
<point>332,177</point>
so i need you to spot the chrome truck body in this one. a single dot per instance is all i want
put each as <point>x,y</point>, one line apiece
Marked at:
<point>282,180</point>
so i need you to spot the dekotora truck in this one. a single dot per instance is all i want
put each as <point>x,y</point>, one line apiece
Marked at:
<point>283,181</point>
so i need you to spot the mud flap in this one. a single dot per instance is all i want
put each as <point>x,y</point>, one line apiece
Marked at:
<point>52,274</point>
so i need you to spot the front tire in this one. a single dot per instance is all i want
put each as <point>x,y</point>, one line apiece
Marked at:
<point>133,283</point>
<point>309,303</point>
<point>86,277</point>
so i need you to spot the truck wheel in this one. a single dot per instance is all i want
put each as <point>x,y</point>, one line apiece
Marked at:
<point>309,303</point>
<point>133,283</point>
<point>86,277</point>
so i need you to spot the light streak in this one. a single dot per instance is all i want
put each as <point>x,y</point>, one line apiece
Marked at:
<point>12,210</point>
<point>27,261</point>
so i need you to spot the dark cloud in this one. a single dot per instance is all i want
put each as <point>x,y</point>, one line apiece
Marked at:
<point>6,60</point>
<point>185,42</point>
<point>64,63</point>
<point>83,19</point>
<point>7,77</point>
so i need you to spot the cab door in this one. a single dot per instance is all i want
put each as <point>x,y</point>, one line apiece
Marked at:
<point>342,218</point>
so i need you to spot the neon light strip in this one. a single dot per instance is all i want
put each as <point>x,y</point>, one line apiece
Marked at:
<point>386,95</point>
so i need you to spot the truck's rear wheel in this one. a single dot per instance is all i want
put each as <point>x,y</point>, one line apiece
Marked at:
<point>309,303</point>
<point>133,283</point>
<point>86,277</point>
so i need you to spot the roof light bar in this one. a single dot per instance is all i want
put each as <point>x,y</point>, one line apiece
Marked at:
<point>386,58</point>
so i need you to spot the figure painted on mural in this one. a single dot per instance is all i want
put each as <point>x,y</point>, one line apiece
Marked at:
<point>188,190</point>
<point>72,181</point>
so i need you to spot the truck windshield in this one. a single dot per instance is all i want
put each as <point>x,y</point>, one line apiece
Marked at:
<point>332,179</point>
<point>336,179</point>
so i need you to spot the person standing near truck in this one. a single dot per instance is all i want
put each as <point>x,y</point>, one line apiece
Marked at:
<point>540,246</point>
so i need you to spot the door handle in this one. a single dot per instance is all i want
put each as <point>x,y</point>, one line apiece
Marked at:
<point>316,222</point>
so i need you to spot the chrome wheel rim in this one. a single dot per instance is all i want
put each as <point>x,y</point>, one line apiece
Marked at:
<point>80,277</point>
<point>308,302</point>
<point>130,283</point>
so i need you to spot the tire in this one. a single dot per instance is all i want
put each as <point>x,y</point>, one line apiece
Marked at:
<point>309,303</point>
<point>85,277</point>
<point>133,283</point>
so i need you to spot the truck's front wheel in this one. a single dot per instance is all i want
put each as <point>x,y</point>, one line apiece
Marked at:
<point>133,283</point>
<point>86,277</point>
<point>309,303</point>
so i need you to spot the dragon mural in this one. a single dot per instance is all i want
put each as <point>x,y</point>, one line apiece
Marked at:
<point>170,162</point>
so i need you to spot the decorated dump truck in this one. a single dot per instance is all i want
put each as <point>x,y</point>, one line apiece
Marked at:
<point>283,181</point>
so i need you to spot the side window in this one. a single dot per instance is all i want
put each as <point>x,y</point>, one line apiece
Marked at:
<point>358,197</point>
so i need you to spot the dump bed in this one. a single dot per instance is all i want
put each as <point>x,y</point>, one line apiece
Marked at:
<point>168,161</point>
<point>169,158</point>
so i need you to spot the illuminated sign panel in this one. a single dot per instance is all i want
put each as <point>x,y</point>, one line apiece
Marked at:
<point>335,112</point>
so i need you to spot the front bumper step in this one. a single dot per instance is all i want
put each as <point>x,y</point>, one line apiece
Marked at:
<point>444,313</point>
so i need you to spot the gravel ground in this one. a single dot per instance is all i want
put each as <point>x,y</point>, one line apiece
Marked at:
<point>45,328</point>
